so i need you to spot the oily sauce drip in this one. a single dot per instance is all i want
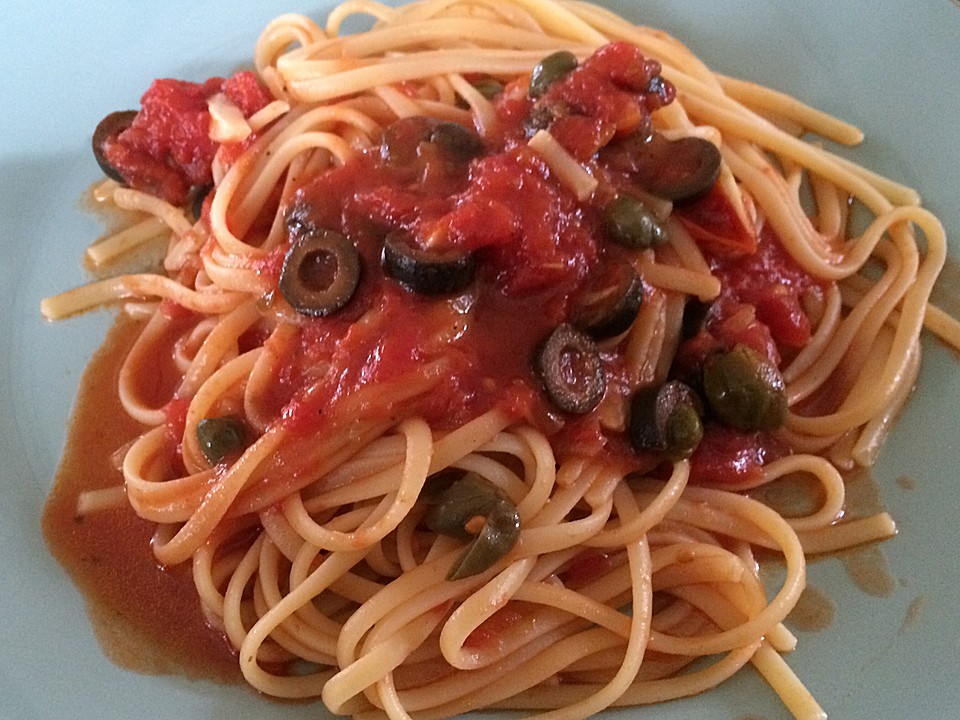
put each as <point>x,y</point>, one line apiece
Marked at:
<point>867,566</point>
<point>814,611</point>
<point>146,618</point>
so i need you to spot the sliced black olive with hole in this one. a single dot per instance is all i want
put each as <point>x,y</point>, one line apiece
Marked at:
<point>677,170</point>
<point>320,273</point>
<point>108,128</point>
<point>744,389</point>
<point>609,301</point>
<point>569,367</point>
<point>426,272</point>
<point>628,222</point>
<point>221,437</point>
<point>552,68</point>
<point>666,420</point>
<point>473,507</point>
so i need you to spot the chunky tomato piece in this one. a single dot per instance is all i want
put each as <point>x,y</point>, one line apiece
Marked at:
<point>532,239</point>
<point>168,148</point>
<point>245,91</point>
<point>771,281</point>
<point>714,223</point>
<point>617,87</point>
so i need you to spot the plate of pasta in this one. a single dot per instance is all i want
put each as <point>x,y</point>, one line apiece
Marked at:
<point>480,358</point>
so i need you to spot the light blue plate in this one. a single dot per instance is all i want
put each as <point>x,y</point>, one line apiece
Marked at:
<point>894,71</point>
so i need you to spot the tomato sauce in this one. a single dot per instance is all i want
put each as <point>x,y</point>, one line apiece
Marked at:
<point>132,602</point>
<point>168,147</point>
<point>536,247</point>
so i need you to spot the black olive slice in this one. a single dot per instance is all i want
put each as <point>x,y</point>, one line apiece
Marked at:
<point>744,389</point>
<point>677,170</point>
<point>427,272</point>
<point>569,366</point>
<point>622,154</point>
<point>666,419</point>
<point>110,127</point>
<point>400,144</point>
<point>320,273</point>
<point>609,301</point>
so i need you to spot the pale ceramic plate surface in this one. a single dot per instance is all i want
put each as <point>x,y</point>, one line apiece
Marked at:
<point>893,71</point>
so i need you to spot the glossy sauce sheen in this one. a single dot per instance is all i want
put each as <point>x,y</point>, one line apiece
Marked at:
<point>146,618</point>
<point>537,246</point>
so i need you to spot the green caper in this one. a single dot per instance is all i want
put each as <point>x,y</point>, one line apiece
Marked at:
<point>498,535</point>
<point>456,142</point>
<point>666,419</point>
<point>628,222</point>
<point>549,70</point>
<point>473,507</point>
<point>488,87</point>
<point>684,431</point>
<point>464,498</point>
<point>220,437</point>
<point>744,389</point>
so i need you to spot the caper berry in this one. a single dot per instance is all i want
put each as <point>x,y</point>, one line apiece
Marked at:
<point>220,437</point>
<point>456,142</point>
<point>549,70</point>
<point>666,419</point>
<point>628,222</point>
<point>470,499</point>
<point>744,389</point>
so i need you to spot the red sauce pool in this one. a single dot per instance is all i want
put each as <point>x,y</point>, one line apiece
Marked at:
<point>536,246</point>
<point>147,618</point>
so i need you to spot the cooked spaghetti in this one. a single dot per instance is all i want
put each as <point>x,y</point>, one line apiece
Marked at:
<point>476,334</point>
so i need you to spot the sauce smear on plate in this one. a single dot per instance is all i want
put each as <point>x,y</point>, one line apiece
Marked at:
<point>146,618</point>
